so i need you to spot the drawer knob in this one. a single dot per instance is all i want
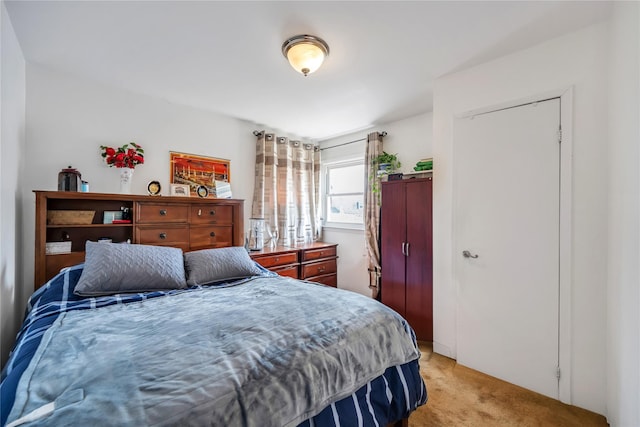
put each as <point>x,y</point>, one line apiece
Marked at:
<point>199,212</point>
<point>320,269</point>
<point>163,235</point>
<point>277,259</point>
<point>212,234</point>
<point>163,212</point>
<point>212,212</point>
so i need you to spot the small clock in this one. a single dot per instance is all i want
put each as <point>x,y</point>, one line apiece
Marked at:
<point>202,191</point>
<point>154,188</point>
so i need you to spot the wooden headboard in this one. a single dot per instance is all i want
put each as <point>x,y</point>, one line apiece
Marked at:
<point>188,223</point>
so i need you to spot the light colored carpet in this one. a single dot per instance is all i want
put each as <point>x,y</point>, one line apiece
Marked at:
<point>459,396</point>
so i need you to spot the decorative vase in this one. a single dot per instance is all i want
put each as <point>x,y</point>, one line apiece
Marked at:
<point>126,176</point>
<point>383,169</point>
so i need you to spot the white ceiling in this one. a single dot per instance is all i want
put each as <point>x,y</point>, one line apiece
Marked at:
<point>225,56</point>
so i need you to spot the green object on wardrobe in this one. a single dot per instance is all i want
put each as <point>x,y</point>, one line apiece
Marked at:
<point>423,166</point>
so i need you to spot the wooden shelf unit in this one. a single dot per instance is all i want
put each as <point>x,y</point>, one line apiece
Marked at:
<point>186,222</point>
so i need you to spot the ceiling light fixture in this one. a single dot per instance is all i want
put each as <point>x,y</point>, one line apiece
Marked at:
<point>305,53</point>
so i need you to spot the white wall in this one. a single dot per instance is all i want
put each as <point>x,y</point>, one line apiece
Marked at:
<point>623,326</point>
<point>411,139</point>
<point>68,119</point>
<point>12,122</point>
<point>578,60</point>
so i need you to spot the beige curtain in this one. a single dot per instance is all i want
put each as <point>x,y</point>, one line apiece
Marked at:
<point>372,213</point>
<point>265,200</point>
<point>286,190</point>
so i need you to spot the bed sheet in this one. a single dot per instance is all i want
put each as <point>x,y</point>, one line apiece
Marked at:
<point>385,399</point>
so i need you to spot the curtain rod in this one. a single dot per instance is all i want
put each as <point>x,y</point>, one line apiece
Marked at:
<point>383,133</point>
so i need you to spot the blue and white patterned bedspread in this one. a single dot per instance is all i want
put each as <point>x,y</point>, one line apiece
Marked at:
<point>265,351</point>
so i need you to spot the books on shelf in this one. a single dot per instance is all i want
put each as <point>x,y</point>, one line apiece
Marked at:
<point>53,248</point>
<point>424,165</point>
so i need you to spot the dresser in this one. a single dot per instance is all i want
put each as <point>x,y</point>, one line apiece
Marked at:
<point>190,226</point>
<point>188,223</point>
<point>316,262</point>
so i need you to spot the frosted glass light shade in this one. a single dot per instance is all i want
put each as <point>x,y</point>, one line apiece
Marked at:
<point>305,53</point>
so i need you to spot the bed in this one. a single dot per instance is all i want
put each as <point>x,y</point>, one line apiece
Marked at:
<point>145,335</point>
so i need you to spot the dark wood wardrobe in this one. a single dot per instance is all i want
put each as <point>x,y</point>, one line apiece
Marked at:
<point>407,252</point>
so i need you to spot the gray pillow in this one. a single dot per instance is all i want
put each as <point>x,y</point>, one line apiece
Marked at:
<point>112,268</point>
<point>216,265</point>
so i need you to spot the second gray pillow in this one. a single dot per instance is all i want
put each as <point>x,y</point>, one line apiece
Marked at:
<point>221,264</point>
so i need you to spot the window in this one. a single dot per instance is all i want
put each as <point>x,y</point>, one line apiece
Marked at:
<point>344,194</point>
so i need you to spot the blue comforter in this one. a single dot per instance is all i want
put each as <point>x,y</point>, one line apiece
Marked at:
<point>264,351</point>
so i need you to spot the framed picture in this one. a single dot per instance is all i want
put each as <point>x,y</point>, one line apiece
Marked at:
<point>180,190</point>
<point>195,171</point>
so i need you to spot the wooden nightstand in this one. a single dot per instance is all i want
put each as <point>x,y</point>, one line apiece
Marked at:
<point>319,263</point>
<point>316,262</point>
<point>281,260</point>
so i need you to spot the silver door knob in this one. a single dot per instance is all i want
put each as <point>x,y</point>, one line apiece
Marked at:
<point>467,254</point>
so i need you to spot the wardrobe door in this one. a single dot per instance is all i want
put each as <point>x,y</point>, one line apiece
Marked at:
<point>392,242</point>
<point>419,256</point>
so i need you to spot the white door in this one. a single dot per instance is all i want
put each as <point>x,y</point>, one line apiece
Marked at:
<point>507,202</point>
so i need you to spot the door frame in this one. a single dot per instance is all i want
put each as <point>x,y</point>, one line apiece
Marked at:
<point>565,235</point>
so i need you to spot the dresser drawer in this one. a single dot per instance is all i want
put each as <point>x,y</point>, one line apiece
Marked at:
<point>168,235</point>
<point>153,213</point>
<point>313,254</point>
<point>207,214</point>
<point>319,268</point>
<point>182,245</point>
<point>210,236</point>
<point>326,279</point>
<point>277,259</point>
<point>288,271</point>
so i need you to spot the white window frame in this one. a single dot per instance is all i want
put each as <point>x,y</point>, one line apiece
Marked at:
<point>326,167</point>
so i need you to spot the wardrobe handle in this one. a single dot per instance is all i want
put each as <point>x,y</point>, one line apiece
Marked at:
<point>403,252</point>
<point>407,249</point>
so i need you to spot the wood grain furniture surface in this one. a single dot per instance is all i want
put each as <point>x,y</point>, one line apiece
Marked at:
<point>184,222</point>
<point>281,260</point>
<point>407,252</point>
<point>316,262</point>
